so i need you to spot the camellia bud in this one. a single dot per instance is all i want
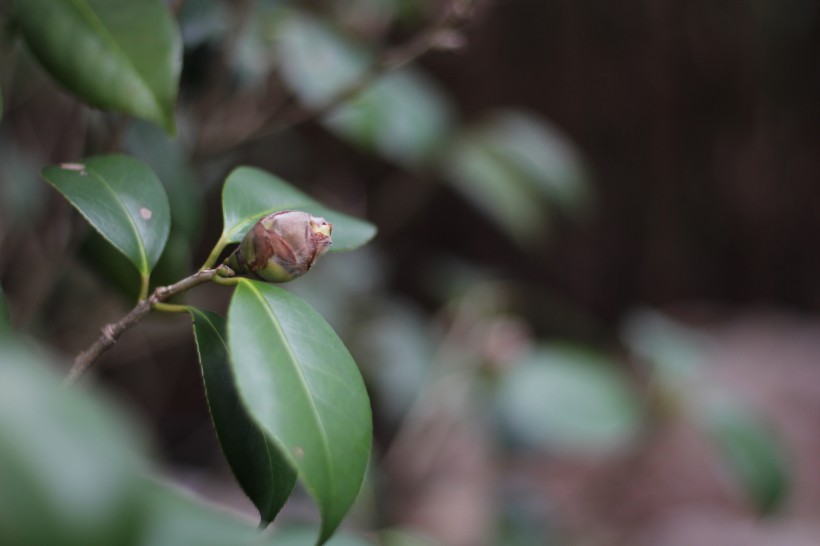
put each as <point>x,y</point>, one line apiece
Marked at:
<point>281,246</point>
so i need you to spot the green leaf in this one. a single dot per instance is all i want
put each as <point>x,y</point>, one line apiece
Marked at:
<point>68,464</point>
<point>317,62</point>
<point>169,160</point>
<point>249,194</point>
<point>265,476</point>
<point>402,115</point>
<point>751,453</point>
<point>518,169</point>
<point>300,536</point>
<point>301,385</point>
<point>175,518</point>
<point>122,199</point>
<point>121,55</point>
<point>570,401</point>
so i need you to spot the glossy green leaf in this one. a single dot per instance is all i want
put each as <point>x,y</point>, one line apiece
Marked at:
<point>570,401</point>
<point>121,55</point>
<point>249,194</point>
<point>69,467</point>
<point>301,385</point>
<point>122,199</point>
<point>265,476</point>
<point>751,454</point>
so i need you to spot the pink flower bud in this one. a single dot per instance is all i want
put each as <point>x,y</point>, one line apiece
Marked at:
<point>281,246</point>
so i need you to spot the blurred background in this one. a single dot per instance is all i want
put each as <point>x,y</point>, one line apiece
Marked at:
<point>590,316</point>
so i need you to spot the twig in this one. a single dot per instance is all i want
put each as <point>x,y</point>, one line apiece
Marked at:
<point>438,35</point>
<point>112,332</point>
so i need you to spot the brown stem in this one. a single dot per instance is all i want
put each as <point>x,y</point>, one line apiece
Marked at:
<point>112,332</point>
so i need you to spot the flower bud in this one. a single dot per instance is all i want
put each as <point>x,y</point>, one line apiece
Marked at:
<point>281,246</point>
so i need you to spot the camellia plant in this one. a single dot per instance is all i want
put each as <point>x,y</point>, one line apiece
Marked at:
<point>286,397</point>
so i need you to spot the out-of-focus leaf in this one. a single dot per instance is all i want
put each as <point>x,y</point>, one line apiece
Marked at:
<point>255,54</point>
<point>265,476</point>
<point>303,388</point>
<point>516,167</point>
<point>302,536</point>
<point>249,194</point>
<point>496,190</point>
<point>73,474</point>
<point>122,55</point>
<point>395,350</point>
<point>570,401</point>
<point>176,519</point>
<point>402,537</point>
<point>69,469</point>
<point>169,160</point>
<point>751,454</point>
<point>122,199</point>
<point>403,115</point>
<point>540,152</point>
<point>674,351</point>
<point>203,21</point>
<point>22,193</point>
<point>317,62</point>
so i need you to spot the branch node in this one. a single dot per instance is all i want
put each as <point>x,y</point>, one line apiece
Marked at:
<point>109,333</point>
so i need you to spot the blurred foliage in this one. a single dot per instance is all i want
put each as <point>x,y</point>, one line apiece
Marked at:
<point>532,187</point>
<point>583,404</point>
<point>751,452</point>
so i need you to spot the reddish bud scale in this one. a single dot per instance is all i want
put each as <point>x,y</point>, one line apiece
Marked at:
<point>281,246</point>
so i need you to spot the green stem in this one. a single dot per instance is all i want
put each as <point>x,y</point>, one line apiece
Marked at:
<point>170,308</point>
<point>144,279</point>
<point>214,255</point>
<point>226,281</point>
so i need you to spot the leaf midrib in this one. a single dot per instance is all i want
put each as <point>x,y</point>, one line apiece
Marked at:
<point>303,383</point>
<point>91,18</point>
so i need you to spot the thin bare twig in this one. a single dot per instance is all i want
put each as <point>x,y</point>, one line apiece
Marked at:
<point>112,332</point>
<point>439,35</point>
